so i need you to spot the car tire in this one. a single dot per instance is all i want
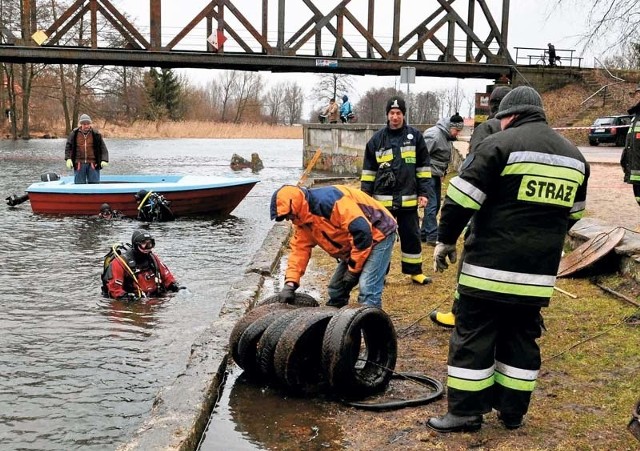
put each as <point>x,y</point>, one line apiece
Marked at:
<point>247,320</point>
<point>297,359</point>
<point>593,142</point>
<point>301,300</point>
<point>341,349</point>
<point>247,345</point>
<point>266,346</point>
<point>620,140</point>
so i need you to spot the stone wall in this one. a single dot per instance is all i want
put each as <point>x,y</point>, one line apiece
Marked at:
<point>343,145</point>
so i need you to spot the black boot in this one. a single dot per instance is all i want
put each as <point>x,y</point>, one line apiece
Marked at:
<point>455,423</point>
<point>511,421</point>
<point>338,303</point>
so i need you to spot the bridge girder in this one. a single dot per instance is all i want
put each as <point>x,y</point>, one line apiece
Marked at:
<point>344,39</point>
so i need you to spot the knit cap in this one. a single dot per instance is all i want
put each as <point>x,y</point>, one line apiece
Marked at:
<point>522,99</point>
<point>85,118</point>
<point>456,121</point>
<point>396,102</point>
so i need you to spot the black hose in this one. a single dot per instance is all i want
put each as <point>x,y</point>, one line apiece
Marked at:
<point>392,405</point>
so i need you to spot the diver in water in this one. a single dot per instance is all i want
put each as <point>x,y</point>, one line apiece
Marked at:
<point>137,271</point>
<point>153,207</point>
<point>107,213</point>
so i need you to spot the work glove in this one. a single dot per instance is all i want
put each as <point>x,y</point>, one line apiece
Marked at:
<point>104,164</point>
<point>175,287</point>
<point>287,294</point>
<point>441,253</point>
<point>350,280</point>
<point>130,297</point>
<point>69,164</point>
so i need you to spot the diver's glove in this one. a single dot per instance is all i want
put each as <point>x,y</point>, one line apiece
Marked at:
<point>131,297</point>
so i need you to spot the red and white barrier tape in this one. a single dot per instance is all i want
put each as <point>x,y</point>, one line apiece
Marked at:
<point>590,127</point>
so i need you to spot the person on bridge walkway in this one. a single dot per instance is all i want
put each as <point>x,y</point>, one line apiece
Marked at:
<point>346,112</point>
<point>348,225</point>
<point>85,152</point>
<point>552,54</point>
<point>396,172</point>
<point>331,112</point>
<point>525,187</point>
<point>488,127</point>
<point>439,144</point>
<point>630,159</point>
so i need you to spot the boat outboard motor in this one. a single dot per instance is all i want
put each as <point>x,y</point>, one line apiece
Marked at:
<point>14,200</point>
<point>49,177</point>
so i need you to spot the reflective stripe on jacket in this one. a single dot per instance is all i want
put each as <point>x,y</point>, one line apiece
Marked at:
<point>396,169</point>
<point>526,186</point>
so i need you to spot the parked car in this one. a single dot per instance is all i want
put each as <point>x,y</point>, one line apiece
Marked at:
<point>610,129</point>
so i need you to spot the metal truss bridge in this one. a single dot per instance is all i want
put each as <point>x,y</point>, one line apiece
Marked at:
<point>442,38</point>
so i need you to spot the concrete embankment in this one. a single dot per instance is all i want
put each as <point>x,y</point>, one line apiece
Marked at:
<point>181,411</point>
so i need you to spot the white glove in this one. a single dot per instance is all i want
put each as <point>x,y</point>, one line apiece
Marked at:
<point>441,253</point>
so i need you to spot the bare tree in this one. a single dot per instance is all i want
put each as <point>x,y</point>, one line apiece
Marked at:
<point>332,86</point>
<point>273,102</point>
<point>371,107</point>
<point>425,107</point>
<point>226,85</point>
<point>618,20</point>
<point>293,103</point>
<point>247,93</point>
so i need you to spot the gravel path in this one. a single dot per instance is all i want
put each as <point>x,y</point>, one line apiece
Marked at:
<point>611,200</point>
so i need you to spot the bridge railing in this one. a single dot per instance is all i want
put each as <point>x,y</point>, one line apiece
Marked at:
<point>539,56</point>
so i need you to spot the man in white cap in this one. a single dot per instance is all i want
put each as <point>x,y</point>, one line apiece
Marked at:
<point>439,140</point>
<point>85,152</point>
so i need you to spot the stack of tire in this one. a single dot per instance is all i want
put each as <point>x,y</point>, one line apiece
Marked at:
<point>306,348</point>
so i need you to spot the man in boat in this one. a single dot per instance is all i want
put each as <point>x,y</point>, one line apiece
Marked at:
<point>350,226</point>
<point>85,152</point>
<point>138,272</point>
<point>153,207</point>
<point>396,172</point>
<point>107,213</point>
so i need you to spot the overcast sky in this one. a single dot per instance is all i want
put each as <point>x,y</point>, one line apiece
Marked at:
<point>531,24</point>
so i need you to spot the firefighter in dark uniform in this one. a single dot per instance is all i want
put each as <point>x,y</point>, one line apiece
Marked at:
<point>527,186</point>
<point>630,160</point>
<point>395,172</point>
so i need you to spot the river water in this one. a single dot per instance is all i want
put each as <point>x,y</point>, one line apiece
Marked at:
<point>78,371</point>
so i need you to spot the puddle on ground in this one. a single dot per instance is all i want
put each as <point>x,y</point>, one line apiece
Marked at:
<point>253,417</point>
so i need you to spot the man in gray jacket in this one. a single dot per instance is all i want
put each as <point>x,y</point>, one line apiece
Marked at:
<point>438,139</point>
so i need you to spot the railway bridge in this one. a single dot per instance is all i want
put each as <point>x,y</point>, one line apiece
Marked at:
<point>445,38</point>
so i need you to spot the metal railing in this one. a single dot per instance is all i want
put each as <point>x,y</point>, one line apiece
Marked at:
<point>605,87</point>
<point>564,57</point>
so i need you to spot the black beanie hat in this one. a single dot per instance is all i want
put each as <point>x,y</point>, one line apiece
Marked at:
<point>496,97</point>
<point>396,102</point>
<point>456,121</point>
<point>522,99</point>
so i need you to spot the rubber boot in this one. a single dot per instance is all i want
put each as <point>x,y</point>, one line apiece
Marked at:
<point>447,320</point>
<point>421,279</point>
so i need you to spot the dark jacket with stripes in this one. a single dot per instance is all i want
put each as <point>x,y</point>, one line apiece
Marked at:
<point>526,185</point>
<point>630,160</point>
<point>396,170</point>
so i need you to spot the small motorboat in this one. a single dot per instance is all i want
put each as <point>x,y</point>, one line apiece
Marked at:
<point>189,195</point>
